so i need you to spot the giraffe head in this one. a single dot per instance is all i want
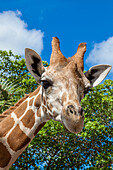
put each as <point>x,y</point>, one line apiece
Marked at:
<point>64,84</point>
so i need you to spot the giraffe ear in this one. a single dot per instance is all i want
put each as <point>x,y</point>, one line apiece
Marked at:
<point>34,64</point>
<point>97,74</point>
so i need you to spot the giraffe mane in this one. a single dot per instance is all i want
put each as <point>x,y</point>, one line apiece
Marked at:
<point>12,108</point>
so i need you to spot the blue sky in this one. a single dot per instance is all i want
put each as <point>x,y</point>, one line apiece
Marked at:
<point>33,23</point>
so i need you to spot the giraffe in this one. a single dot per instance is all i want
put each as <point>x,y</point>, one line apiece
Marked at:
<point>62,86</point>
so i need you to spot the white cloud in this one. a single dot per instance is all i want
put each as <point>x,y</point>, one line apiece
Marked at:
<point>102,53</point>
<point>15,36</point>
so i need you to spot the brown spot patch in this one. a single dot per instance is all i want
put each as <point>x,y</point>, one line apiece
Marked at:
<point>54,113</point>
<point>17,139</point>
<point>31,102</point>
<point>39,127</point>
<point>6,125</point>
<point>29,119</point>
<point>4,156</point>
<point>2,117</point>
<point>35,92</point>
<point>44,109</point>
<point>44,100</point>
<point>39,113</point>
<point>64,97</point>
<point>50,107</point>
<point>37,102</point>
<point>21,109</point>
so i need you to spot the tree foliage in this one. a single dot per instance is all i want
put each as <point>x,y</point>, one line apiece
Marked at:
<point>8,92</point>
<point>54,147</point>
<point>15,77</point>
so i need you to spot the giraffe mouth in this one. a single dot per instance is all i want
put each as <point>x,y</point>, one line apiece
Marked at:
<point>65,127</point>
<point>73,124</point>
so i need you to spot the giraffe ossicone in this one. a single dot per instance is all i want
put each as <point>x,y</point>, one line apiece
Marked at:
<point>62,86</point>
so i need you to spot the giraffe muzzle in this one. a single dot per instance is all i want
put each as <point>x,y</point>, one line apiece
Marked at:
<point>73,119</point>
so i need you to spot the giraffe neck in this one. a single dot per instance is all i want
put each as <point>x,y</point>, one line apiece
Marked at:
<point>19,128</point>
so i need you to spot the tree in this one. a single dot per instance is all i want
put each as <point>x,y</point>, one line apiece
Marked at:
<point>14,73</point>
<point>54,147</point>
<point>13,69</point>
<point>8,92</point>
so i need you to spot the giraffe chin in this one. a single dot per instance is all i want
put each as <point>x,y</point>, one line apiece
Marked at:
<point>73,124</point>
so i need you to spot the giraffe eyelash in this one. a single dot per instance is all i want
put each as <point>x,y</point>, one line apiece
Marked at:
<point>45,84</point>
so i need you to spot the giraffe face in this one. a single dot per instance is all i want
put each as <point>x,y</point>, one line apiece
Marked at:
<point>64,84</point>
<point>63,90</point>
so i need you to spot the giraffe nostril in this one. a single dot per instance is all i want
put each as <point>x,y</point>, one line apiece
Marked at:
<point>81,112</point>
<point>71,110</point>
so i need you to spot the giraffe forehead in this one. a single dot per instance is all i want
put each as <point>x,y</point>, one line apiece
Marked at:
<point>61,76</point>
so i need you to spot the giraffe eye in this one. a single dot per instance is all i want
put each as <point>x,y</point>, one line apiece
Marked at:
<point>45,84</point>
